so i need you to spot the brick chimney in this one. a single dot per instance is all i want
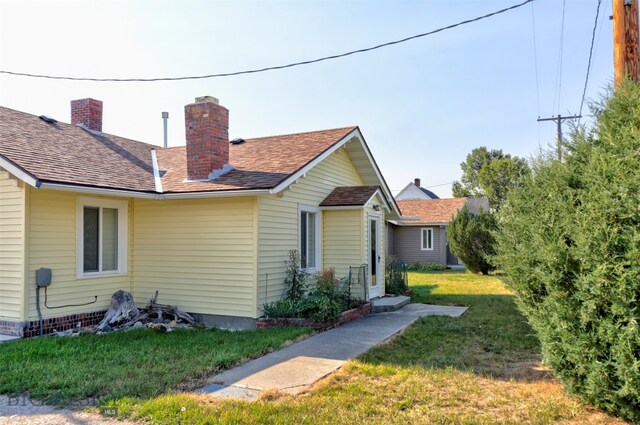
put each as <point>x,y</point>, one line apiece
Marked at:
<point>207,133</point>
<point>87,112</point>
<point>417,182</point>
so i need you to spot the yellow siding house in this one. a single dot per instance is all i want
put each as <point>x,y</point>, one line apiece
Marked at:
<point>209,225</point>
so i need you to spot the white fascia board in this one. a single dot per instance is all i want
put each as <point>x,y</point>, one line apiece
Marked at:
<point>354,133</point>
<point>300,173</point>
<point>384,199</point>
<point>18,172</point>
<point>383,185</point>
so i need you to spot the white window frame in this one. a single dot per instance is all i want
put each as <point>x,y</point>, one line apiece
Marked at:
<point>318,228</point>
<point>123,213</point>
<point>429,231</point>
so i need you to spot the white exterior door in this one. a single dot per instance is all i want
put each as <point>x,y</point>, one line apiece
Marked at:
<point>375,274</point>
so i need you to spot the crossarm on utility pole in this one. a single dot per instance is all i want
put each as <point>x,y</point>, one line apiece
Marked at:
<point>558,119</point>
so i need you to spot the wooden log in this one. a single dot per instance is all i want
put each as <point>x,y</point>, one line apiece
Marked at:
<point>122,309</point>
<point>123,314</point>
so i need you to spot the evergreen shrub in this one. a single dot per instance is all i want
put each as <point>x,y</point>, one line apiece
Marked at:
<point>569,245</point>
<point>471,239</point>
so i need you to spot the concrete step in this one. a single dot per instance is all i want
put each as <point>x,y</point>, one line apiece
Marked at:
<point>389,303</point>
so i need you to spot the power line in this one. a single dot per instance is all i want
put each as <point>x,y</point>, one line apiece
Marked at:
<point>272,68</point>
<point>560,54</point>
<point>593,37</point>
<point>535,56</point>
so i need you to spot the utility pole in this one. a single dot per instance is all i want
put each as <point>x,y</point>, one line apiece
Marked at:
<point>558,121</point>
<point>626,45</point>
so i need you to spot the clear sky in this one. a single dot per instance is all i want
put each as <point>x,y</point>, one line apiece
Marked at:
<point>422,105</point>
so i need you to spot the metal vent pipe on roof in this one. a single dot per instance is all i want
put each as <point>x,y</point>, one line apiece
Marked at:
<point>165,118</point>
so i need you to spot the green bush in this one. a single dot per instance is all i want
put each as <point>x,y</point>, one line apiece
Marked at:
<point>320,298</point>
<point>471,239</point>
<point>569,244</point>
<point>425,266</point>
<point>319,308</point>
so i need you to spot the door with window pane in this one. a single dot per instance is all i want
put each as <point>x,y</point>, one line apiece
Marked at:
<point>374,257</point>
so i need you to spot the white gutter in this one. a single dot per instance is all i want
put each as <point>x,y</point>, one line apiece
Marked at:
<point>97,190</point>
<point>150,195</point>
<point>421,224</point>
<point>156,171</point>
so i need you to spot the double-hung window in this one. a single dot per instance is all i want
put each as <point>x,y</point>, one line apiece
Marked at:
<point>426,239</point>
<point>102,237</point>
<point>309,242</point>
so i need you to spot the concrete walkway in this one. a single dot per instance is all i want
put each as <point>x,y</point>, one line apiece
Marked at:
<point>295,368</point>
<point>7,338</point>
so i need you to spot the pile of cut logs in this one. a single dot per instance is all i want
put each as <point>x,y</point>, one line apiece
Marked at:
<point>123,314</point>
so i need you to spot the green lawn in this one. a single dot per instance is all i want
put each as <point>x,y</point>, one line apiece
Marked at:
<point>481,368</point>
<point>138,363</point>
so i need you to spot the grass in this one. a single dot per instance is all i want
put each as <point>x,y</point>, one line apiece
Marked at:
<point>481,368</point>
<point>139,363</point>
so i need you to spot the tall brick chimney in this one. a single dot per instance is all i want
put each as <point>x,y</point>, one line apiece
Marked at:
<point>207,134</point>
<point>417,182</point>
<point>87,112</point>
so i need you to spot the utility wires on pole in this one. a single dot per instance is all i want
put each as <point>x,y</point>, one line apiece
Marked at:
<point>558,120</point>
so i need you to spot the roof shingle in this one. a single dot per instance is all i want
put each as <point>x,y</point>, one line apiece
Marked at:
<point>349,196</point>
<point>65,153</point>
<point>430,211</point>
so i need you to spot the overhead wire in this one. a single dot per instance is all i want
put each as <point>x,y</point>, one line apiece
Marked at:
<point>535,63</point>
<point>560,55</point>
<point>272,68</point>
<point>593,37</point>
<point>535,57</point>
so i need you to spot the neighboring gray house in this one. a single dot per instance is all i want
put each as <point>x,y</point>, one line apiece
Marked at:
<point>414,191</point>
<point>421,233</point>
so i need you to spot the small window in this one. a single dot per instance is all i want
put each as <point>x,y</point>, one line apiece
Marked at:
<point>102,247</point>
<point>427,239</point>
<point>309,225</point>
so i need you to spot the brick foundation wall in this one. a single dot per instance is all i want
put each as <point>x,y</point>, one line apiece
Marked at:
<point>347,316</point>
<point>62,323</point>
